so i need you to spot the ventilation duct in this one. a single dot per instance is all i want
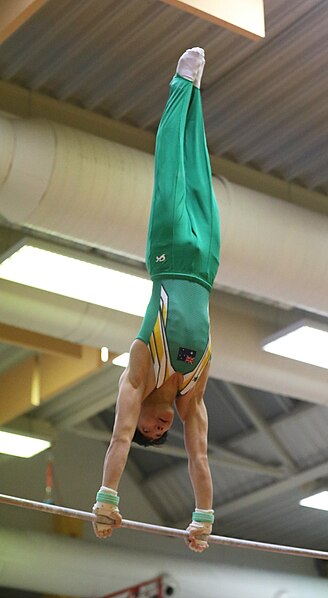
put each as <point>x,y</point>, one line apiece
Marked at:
<point>77,186</point>
<point>237,334</point>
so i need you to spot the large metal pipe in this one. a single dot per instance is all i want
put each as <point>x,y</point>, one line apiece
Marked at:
<point>75,185</point>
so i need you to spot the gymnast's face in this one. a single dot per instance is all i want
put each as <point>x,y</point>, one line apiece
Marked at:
<point>155,420</point>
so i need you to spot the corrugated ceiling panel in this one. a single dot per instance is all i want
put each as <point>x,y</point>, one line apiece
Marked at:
<point>304,435</point>
<point>282,520</point>
<point>172,493</point>
<point>264,101</point>
<point>267,101</point>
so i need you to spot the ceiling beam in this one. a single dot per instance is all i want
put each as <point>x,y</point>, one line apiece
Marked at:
<point>38,342</point>
<point>238,461</point>
<point>84,400</point>
<point>261,424</point>
<point>220,460</point>
<point>39,378</point>
<point>266,493</point>
<point>272,490</point>
<point>218,454</point>
<point>94,406</point>
<point>14,13</point>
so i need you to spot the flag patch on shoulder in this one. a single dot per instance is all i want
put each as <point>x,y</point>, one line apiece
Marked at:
<point>186,355</point>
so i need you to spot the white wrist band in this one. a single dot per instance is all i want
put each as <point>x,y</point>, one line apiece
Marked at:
<point>109,490</point>
<point>211,511</point>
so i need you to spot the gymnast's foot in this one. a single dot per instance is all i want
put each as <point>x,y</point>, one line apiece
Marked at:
<point>191,65</point>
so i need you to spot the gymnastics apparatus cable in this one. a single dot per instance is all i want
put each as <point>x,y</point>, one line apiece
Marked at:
<point>164,531</point>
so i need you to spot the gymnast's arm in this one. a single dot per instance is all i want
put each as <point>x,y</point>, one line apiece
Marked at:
<point>132,387</point>
<point>131,393</point>
<point>193,413</point>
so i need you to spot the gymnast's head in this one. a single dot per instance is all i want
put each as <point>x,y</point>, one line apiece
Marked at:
<point>140,438</point>
<point>154,421</point>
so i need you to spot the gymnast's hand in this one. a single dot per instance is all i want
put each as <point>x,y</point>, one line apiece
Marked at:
<point>107,513</point>
<point>198,534</point>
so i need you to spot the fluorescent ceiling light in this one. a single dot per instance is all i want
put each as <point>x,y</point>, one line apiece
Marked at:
<point>316,501</point>
<point>243,16</point>
<point>305,341</point>
<point>77,279</point>
<point>104,354</point>
<point>21,446</point>
<point>122,360</point>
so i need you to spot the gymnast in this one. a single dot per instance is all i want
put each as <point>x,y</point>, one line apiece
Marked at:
<point>170,358</point>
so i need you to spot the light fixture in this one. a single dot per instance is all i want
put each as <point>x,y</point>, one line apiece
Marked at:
<point>305,341</point>
<point>319,500</point>
<point>104,354</point>
<point>77,278</point>
<point>122,360</point>
<point>19,445</point>
<point>243,16</point>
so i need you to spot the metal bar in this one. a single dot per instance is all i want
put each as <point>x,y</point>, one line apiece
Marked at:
<point>164,531</point>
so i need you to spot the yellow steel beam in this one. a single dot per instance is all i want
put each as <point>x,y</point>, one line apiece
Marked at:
<point>39,378</point>
<point>16,390</point>
<point>242,16</point>
<point>38,342</point>
<point>14,13</point>
<point>59,373</point>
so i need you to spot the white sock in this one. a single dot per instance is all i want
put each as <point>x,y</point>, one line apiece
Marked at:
<point>190,62</point>
<point>198,78</point>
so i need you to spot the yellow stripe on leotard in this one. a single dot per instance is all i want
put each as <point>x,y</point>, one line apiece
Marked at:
<point>158,346</point>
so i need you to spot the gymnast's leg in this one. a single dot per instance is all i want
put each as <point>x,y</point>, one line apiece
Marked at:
<point>201,203</point>
<point>169,226</point>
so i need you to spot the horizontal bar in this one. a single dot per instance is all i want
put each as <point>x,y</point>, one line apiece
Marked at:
<point>164,531</point>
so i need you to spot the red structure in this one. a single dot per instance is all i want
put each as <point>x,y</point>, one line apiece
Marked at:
<point>148,589</point>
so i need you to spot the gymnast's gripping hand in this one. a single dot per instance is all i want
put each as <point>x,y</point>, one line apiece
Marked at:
<point>107,513</point>
<point>199,530</point>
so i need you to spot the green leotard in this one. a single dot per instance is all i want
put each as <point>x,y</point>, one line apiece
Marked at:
<point>183,242</point>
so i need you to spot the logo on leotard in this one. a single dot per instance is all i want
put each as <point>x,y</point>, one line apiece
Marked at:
<point>160,258</point>
<point>186,355</point>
